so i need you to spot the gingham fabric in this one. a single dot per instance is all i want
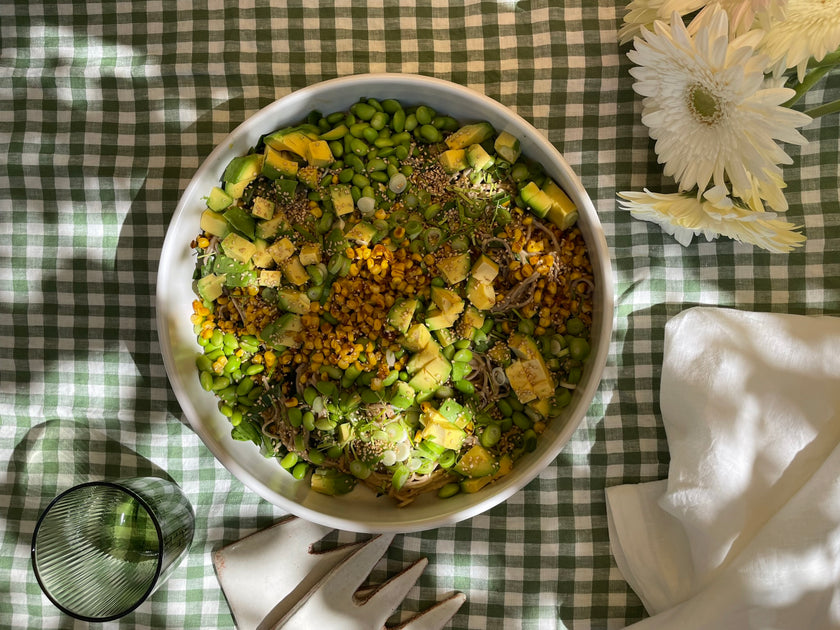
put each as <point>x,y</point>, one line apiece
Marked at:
<point>106,111</point>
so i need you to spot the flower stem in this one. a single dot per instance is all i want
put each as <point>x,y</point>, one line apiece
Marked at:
<point>831,59</point>
<point>808,82</point>
<point>822,110</point>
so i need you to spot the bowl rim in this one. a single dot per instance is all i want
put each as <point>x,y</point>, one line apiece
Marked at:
<point>377,84</point>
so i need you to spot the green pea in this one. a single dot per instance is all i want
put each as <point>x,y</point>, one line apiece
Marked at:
<point>206,380</point>
<point>430,134</point>
<point>300,470</point>
<point>448,490</point>
<point>465,387</point>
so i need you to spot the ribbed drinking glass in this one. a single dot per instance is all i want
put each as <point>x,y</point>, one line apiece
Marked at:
<point>101,548</point>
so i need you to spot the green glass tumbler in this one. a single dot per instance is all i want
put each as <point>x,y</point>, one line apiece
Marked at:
<point>101,548</point>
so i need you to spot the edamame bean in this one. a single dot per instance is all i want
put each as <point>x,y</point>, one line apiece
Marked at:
<point>203,363</point>
<point>578,348</point>
<point>295,416</point>
<point>430,134</point>
<point>424,114</point>
<point>206,380</point>
<point>505,409</point>
<point>379,120</point>
<point>336,133</point>
<point>521,420</point>
<point>370,134</point>
<point>308,421</point>
<point>245,386</point>
<point>289,460</point>
<point>253,369</point>
<point>491,435</point>
<point>363,111</point>
<point>463,355</point>
<point>300,470</point>
<point>465,387</point>
<point>359,147</point>
<point>448,490</point>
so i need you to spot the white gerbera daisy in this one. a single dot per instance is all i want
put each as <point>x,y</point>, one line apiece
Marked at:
<point>744,13</point>
<point>810,28</point>
<point>705,107</point>
<point>685,216</point>
<point>643,13</point>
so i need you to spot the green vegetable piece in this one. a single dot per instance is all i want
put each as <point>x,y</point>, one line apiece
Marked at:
<point>477,462</point>
<point>474,133</point>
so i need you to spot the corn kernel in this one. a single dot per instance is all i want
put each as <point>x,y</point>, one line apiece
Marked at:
<point>203,242</point>
<point>316,212</point>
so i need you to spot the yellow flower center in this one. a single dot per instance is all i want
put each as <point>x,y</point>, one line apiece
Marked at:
<point>704,105</point>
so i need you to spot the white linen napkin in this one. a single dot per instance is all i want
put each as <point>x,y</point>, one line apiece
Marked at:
<point>745,532</point>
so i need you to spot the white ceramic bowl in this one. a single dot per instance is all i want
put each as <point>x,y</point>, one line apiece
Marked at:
<point>360,510</point>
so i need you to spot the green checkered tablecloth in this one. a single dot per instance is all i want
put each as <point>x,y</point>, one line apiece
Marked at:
<point>106,111</point>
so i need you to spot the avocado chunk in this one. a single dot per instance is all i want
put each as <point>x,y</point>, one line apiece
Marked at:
<point>243,168</point>
<point>456,414</point>
<point>416,338</point>
<point>441,431</point>
<point>455,268</point>
<point>402,395</point>
<point>449,302</point>
<point>294,139</point>
<point>281,250</point>
<point>283,332</point>
<point>268,229</point>
<point>342,199</point>
<point>270,278</point>
<point>263,208</point>
<point>236,273</point>
<point>535,199</point>
<point>332,481</point>
<point>508,147</point>
<point>400,314</point>
<point>261,258</point>
<point>563,212</point>
<point>210,286</point>
<point>318,154</point>
<point>485,269</point>
<point>453,160</point>
<point>437,319</point>
<point>362,233</point>
<point>481,294</point>
<point>214,223</point>
<point>477,462</point>
<point>276,165</point>
<point>474,133</point>
<point>294,271</point>
<point>293,301</point>
<point>432,375</point>
<point>218,199</point>
<point>240,220</point>
<point>238,248</point>
<point>478,158</point>
<point>423,357</point>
